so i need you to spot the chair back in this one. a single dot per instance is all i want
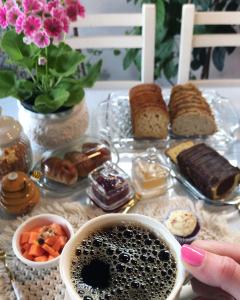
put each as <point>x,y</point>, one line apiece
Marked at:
<point>146,41</point>
<point>189,40</point>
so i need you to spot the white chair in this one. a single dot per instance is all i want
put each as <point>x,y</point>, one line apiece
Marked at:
<point>146,41</point>
<point>188,40</point>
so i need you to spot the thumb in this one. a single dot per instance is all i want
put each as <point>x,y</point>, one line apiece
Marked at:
<point>215,270</point>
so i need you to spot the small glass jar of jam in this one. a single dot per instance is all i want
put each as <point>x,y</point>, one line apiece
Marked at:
<point>110,187</point>
<point>15,149</point>
<point>150,176</point>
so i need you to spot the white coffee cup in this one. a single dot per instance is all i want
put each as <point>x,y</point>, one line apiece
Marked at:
<point>110,219</point>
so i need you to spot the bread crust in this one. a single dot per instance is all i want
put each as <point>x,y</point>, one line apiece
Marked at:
<point>143,88</point>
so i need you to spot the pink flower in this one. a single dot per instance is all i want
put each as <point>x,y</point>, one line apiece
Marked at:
<point>58,13</point>
<point>31,25</point>
<point>3,17</point>
<point>53,4</point>
<point>53,27</point>
<point>81,10</point>
<point>41,39</point>
<point>32,5</point>
<point>72,12</point>
<point>19,23</point>
<point>78,6</point>
<point>58,39</point>
<point>10,3</point>
<point>12,15</point>
<point>65,24</point>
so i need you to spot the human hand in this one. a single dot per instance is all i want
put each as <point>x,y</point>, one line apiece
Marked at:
<point>215,267</point>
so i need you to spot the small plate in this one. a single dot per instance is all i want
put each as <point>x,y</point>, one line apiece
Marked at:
<point>114,122</point>
<point>59,188</point>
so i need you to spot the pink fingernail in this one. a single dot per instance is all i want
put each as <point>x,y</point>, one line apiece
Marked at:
<point>192,256</point>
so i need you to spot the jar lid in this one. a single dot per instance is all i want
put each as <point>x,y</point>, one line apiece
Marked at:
<point>10,130</point>
<point>149,169</point>
<point>149,163</point>
<point>110,187</point>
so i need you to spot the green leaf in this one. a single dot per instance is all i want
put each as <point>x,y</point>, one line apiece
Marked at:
<point>200,29</point>
<point>230,50</point>
<point>76,95</point>
<point>116,52</point>
<point>66,64</point>
<point>54,52</point>
<point>17,50</point>
<point>160,13</point>
<point>138,61</point>
<point>7,84</point>
<point>203,4</point>
<point>195,64</point>
<point>92,76</point>
<point>129,58</point>
<point>160,35</point>
<point>49,103</point>
<point>165,49</point>
<point>170,69</point>
<point>25,89</point>
<point>232,6</point>
<point>219,57</point>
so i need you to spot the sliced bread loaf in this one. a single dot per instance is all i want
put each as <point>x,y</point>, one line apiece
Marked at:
<point>149,113</point>
<point>190,114</point>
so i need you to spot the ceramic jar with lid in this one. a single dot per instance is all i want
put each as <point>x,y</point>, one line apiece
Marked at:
<point>19,194</point>
<point>15,149</point>
<point>150,175</point>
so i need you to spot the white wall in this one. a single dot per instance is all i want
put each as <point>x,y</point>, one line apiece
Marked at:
<point>109,6</point>
<point>112,67</point>
<point>231,67</point>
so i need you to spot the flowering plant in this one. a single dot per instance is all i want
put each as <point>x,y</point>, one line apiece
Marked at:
<point>33,39</point>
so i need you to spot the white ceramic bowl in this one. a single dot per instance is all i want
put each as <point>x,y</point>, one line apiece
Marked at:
<point>40,220</point>
<point>116,218</point>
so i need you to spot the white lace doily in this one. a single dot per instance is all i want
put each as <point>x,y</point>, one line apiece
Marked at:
<point>46,284</point>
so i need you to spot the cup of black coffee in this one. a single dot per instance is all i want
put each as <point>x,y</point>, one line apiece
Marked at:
<point>122,257</point>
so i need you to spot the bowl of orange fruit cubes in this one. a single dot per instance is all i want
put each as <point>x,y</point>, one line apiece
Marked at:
<point>39,241</point>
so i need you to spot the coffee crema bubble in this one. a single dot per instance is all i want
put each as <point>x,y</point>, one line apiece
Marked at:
<point>123,262</point>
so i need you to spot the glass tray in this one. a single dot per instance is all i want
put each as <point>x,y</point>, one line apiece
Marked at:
<point>63,189</point>
<point>113,121</point>
<point>181,186</point>
<point>232,199</point>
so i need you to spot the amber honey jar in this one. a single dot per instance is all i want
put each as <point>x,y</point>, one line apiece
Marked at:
<point>15,149</point>
<point>19,194</point>
<point>150,175</point>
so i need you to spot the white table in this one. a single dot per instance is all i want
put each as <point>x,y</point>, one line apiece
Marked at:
<point>94,97</point>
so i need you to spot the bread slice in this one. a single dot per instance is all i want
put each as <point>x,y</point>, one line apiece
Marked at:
<point>192,123</point>
<point>189,107</point>
<point>150,122</point>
